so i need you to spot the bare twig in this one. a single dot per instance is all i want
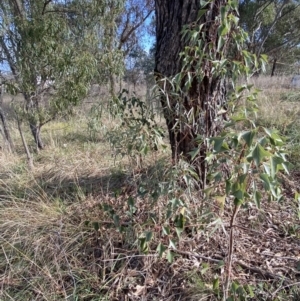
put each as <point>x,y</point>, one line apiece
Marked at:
<point>230,253</point>
<point>284,287</point>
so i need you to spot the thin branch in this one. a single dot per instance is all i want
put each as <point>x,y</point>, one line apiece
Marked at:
<point>277,17</point>
<point>283,287</point>
<point>124,37</point>
<point>45,5</point>
<point>266,274</point>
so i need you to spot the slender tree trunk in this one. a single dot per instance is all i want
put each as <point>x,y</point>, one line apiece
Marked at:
<point>28,154</point>
<point>35,127</point>
<point>6,132</point>
<point>36,133</point>
<point>205,97</point>
<point>273,67</point>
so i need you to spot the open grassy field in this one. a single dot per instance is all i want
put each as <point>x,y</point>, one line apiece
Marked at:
<point>75,227</point>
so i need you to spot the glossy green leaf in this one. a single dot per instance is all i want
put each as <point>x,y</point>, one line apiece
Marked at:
<point>258,154</point>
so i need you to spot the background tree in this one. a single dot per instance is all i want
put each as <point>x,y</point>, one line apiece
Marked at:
<point>273,29</point>
<point>54,50</point>
<point>139,66</point>
<point>132,25</point>
<point>132,28</point>
<point>4,129</point>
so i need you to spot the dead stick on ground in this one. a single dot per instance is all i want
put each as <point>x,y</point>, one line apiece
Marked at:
<point>243,265</point>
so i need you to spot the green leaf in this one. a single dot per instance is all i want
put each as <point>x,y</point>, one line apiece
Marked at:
<point>148,236</point>
<point>223,29</point>
<point>258,154</point>
<point>219,144</point>
<point>205,268</point>
<point>194,153</point>
<point>257,198</point>
<point>170,256</point>
<point>201,12</point>
<point>297,197</point>
<point>249,289</point>
<point>204,3</point>
<point>96,226</point>
<point>234,286</point>
<point>116,220</point>
<point>239,194</point>
<point>238,202</point>
<point>179,231</point>
<point>265,178</point>
<point>248,137</point>
<point>218,141</point>
<point>143,245</point>
<point>165,230</point>
<point>169,213</point>
<point>267,168</point>
<point>216,284</point>
<point>172,244</point>
<point>264,57</point>
<point>286,166</point>
<point>223,13</point>
<point>275,139</point>
<point>221,43</point>
<point>276,164</point>
<point>160,249</point>
<point>179,221</point>
<point>131,203</point>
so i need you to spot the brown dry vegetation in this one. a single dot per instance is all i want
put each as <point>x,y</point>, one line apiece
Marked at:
<point>67,231</point>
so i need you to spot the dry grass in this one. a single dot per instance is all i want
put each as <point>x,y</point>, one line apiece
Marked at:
<point>279,109</point>
<point>68,231</point>
<point>275,83</point>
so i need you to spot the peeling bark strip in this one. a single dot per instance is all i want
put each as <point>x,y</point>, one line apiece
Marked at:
<point>207,93</point>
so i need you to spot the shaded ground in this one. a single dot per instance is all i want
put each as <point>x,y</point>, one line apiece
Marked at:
<point>266,253</point>
<point>74,221</point>
<point>72,230</point>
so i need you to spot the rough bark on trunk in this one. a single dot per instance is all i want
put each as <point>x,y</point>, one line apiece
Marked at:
<point>205,97</point>
<point>170,18</point>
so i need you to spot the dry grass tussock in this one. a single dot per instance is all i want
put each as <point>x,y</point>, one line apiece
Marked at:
<point>71,229</point>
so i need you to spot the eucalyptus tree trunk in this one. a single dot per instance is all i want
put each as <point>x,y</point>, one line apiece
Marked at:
<point>32,107</point>
<point>206,94</point>
<point>6,132</point>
